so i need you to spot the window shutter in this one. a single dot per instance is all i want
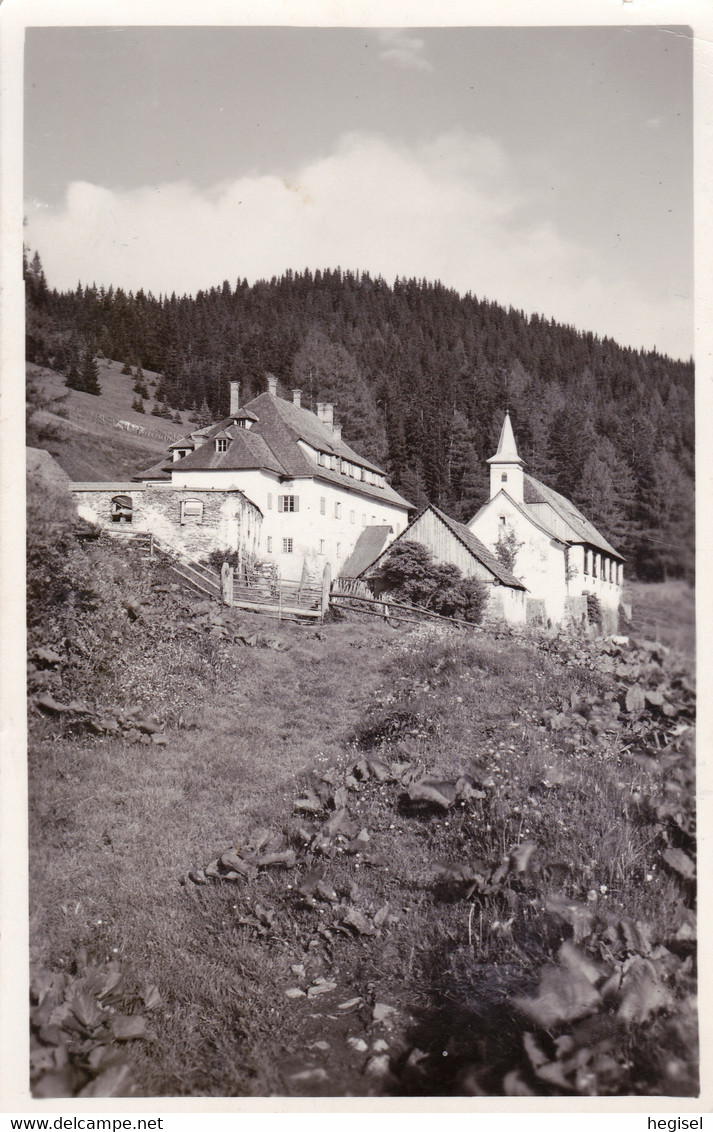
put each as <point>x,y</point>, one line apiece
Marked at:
<point>280,502</point>
<point>296,503</point>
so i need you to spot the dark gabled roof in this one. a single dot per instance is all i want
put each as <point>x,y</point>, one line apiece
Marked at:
<point>300,424</point>
<point>272,444</point>
<point>247,450</point>
<point>582,530</point>
<point>479,550</point>
<point>472,544</point>
<point>158,471</point>
<point>182,442</point>
<point>367,548</point>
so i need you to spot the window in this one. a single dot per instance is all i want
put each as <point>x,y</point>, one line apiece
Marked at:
<point>122,509</point>
<point>504,477</point>
<point>337,510</point>
<point>502,520</point>
<point>586,562</point>
<point>287,546</point>
<point>221,444</point>
<point>321,546</point>
<point>339,550</point>
<point>352,517</point>
<point>594,565</point>
<point>288,503</point>
<point>191,511</point>
<point>323,459</point>
<point>269,501</point>
<point>269,544</point>
<point>322,505</point>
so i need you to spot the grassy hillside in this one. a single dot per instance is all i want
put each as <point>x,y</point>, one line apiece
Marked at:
<point>87,434</point>
<point>357,860</point>
<point>664,611</point>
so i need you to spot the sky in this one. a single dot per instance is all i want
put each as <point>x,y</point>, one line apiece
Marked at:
<point>548,169</point>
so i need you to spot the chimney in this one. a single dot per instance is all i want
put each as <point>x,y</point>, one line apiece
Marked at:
<point>320,410</point>
<point>328,417</point>
<point>272,384</point>
<point>234,397</point>
<point>297,398</point>
<point>337,431</point>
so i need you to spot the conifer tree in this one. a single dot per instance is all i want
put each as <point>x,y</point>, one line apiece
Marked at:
<point>90,373</point>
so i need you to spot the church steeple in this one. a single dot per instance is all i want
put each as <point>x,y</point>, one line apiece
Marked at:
<point>506,466</point>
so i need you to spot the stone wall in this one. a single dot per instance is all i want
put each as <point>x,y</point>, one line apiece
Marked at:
<point>229,521</point>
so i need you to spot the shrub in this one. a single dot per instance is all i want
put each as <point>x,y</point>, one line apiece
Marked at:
<point>506,549</point>
<point>410,574</point>
<point>594,610</point>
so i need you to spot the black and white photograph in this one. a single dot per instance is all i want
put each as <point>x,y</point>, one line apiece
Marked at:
<point>359,449</point>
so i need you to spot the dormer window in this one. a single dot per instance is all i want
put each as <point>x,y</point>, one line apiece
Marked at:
<point>221,444</point>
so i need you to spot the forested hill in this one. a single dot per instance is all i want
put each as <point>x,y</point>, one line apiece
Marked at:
<point>420,377</point>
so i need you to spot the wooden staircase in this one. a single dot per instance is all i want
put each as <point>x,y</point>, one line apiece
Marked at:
<point>134,540</point>
<point>199,578</point>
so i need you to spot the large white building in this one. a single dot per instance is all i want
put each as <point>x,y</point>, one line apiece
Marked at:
<point>559,555</point>
<point>273,480</point>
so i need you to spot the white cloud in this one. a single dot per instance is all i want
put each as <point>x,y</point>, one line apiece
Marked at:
<point>441,210</point>
<point>404,49</point>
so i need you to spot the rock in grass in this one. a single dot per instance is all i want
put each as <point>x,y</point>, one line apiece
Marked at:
<point>287,859</point>
<point>310,1076</point>
<point>340,823</point>
<point>321,988</point>
<point>310,803</point>
<point>383,1012</point>
<point>433,790</point>
<point>353,918</point>
<point>350,1004</point>
<point>379,1066</point>
<point>126,1027</point>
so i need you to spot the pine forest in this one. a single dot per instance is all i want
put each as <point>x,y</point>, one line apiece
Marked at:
<point>420,377</point>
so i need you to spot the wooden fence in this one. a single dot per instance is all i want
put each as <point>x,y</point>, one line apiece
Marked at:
<point>395,610</point>
<point>268,593</point>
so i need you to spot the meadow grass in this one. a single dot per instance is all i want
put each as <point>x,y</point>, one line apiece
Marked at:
<point>115,828</point>
<point>664,611</point>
